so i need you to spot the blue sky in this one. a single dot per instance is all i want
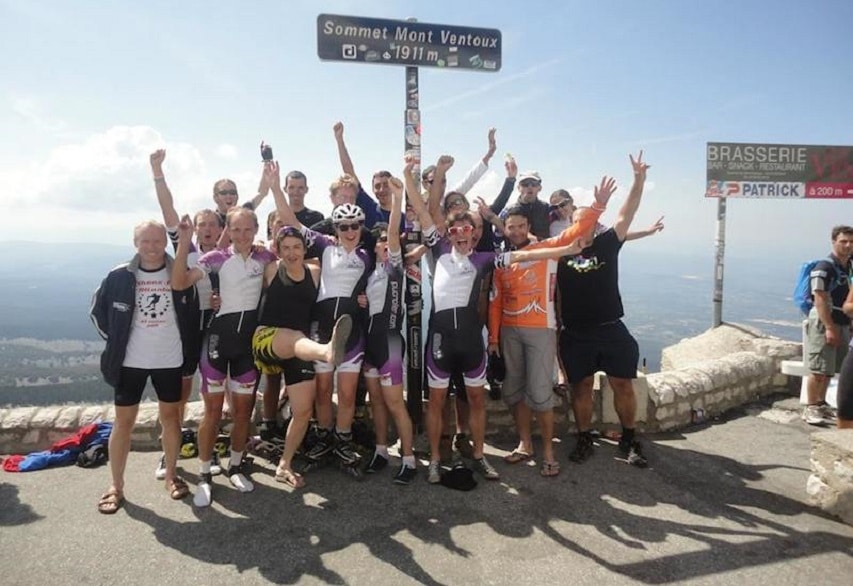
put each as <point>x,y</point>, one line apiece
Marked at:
<point>89,89</point>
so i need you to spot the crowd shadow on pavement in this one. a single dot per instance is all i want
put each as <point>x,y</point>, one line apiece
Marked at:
<point>12,510</point>
<point>691,514</point>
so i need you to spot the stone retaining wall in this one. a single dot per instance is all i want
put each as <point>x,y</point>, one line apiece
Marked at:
<point>831,484</point>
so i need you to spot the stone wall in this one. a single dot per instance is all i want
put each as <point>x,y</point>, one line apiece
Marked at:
<point>831,484</point>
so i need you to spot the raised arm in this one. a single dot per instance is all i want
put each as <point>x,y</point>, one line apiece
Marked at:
<point>529,254</point>
<point>479,169</point>
<point>629,208</point>
<point>343,153</point>
<point>653,229</point>
<point>396,214</point>
<point>272,175</point>
<point>436,188</point>
<point>415,199</point>
<point>164,196</point>
<point>183,277</point>
<point>263,185</point>
<point>509,185</point>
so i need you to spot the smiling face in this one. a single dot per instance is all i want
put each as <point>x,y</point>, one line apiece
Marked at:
<point>460,231</point>
<point>348,233</point>
<point>516,229</point>
<point>290,249</point>
<point>207,229</point>
<point>242,227</point>
<point>225,195</point>
<point>296,186</point>
<point>562,203</point>
<point>382,189</point>
<point>149,238</point>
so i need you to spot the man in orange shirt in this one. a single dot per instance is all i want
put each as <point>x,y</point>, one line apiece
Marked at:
<point>522,326</point>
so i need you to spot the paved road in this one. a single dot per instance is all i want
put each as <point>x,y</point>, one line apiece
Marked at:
<point>724,502</point>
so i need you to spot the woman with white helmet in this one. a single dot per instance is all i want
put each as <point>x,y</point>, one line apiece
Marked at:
<point>345,269</point>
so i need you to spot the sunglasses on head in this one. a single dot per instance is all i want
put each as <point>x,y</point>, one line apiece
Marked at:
<point>227,192</point>
<point>529,183</point>
<point>457,230</point>
<point>348,227</point>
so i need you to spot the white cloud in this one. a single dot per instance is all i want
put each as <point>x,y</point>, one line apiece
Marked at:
<point>30,110</point>
<point>226,151</point>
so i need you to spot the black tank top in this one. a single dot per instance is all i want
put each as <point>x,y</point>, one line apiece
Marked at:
<point>287,303</point>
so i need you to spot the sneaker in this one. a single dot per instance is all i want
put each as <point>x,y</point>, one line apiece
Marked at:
<point>487,470</point>
<point>463,445</point>
<point>814,415</point>
<point>238,480</point>
<point>633,453</point>
<point>829,412</point>
<point>160,472</point>
<point>345,451</point>
<point>189,447</point>
<point>405,475</point>
<point>271,432</point>
<point>203,494</point>
<point>215,465</point>
<point>583,449</point>
<point>377,462</point>
<point>434,473</point>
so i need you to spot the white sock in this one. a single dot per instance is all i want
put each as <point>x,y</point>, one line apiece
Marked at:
<point>409,461</point>
<point>236,459</point>
<point>241,483</point>
<point>205,467</point>
<point>382,451</point>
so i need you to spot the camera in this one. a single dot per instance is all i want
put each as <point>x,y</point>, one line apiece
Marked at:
<point>266,152</point>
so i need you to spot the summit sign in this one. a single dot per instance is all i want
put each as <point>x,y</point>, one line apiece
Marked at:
<point>401,42</point>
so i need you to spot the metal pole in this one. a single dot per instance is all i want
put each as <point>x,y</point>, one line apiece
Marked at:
<point>719,260</point>
<point>414,275</point>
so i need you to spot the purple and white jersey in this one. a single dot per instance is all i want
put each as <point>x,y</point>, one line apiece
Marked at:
<point>240,280</point>
<point>344,273</point>
<point>457,279</point>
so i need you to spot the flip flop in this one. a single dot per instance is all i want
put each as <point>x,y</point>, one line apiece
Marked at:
<point>340,336</point>
<point>290,478</point>
<point>177,488</point>
<point>517,456</point>
<point>111,501</point>
<point>550,469</point>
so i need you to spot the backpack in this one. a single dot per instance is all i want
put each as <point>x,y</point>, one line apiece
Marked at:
<point>803,298</point>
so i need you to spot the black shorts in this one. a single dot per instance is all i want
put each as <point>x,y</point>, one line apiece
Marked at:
<point>228,345</point>
<point>131,385</point>
<point>609,347</point>
<point>845,388</point>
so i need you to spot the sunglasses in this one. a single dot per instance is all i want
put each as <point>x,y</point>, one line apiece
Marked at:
<point>457,230</point>
<point>382,239</point>
<point>455,203</point>
<point>530,183</point>
<point>562,204</point>
<point>348,227</point>
<point>227,192</point>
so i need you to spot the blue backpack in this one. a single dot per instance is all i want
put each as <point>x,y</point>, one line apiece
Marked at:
<point>803,298</point>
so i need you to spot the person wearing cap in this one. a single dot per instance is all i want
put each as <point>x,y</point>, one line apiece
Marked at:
<point>538,212</point>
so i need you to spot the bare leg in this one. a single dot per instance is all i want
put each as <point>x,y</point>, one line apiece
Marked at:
<point>521,413</point>
<point>546,423</point>
<point>393,396</point>
<point>170,421</point>
<point>378,410</point>
<point>242,406</point>
<point>119,444</point>
<point>301,405</point>
<point>434,421</point>
<point>816,388</point>
<point>477,418</point>
<point>347,384</point>
<point>624,400</point>
<point>323,400</point>
<point>582,403</point>
<point>208,429</point>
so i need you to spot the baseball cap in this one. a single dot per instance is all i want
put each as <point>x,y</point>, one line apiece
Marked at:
<point>529,175</point>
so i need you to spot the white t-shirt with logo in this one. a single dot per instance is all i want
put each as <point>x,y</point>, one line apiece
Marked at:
<point>155,341</point>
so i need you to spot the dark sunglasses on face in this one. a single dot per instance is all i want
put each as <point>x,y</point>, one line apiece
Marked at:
<point>227,192</point>
<point>348,227</point>
<point>529,183</point>
<point>562,204</point>
<point>457,230</point>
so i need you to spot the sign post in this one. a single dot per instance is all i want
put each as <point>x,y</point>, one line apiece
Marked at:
<point>775,171</point>
<point>356,39</point>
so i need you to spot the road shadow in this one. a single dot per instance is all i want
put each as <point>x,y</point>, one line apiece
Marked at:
<point>12,510</point>
<point>603,510</point>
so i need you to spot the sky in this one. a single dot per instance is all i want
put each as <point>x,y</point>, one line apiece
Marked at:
<point>90,89</point>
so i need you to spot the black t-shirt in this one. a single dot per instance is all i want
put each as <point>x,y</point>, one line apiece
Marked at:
<point>308,217</point>
<point>589,283</point>
<point>834,278</point>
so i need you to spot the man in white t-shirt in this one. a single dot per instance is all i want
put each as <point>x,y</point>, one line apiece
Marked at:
<point>142,320</point>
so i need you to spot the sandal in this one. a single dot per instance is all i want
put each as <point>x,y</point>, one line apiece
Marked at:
<point>111,501</point>
<point>289,477</point>
<point>177,488</point>
<point>517,456</point>
<point>550,469</point>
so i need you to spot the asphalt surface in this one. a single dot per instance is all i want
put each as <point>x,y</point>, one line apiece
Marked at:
<point>724,501</point>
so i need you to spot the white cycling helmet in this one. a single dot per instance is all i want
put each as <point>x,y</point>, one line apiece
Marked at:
<point>347,212</point>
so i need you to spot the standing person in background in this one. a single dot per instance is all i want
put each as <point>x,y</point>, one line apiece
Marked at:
<point>144,321</point>
<point>845,377</point>
<point>828,327</point>
<point>296,187</point>
<point>594,337</point>
<point>537,211</point>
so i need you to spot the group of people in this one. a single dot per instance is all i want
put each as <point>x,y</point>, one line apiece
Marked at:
<point>321,304</point>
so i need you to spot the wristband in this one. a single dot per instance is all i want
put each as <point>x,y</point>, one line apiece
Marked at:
<point>597,208</point>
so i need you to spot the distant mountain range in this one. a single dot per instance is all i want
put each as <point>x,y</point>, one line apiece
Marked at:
<point>46,290</point>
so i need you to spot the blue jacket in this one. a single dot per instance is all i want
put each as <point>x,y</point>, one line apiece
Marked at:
<point>112,313</point>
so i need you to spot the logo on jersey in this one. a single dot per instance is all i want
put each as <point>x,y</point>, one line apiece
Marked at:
<point>153,305</point>
<point>582,264</point>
